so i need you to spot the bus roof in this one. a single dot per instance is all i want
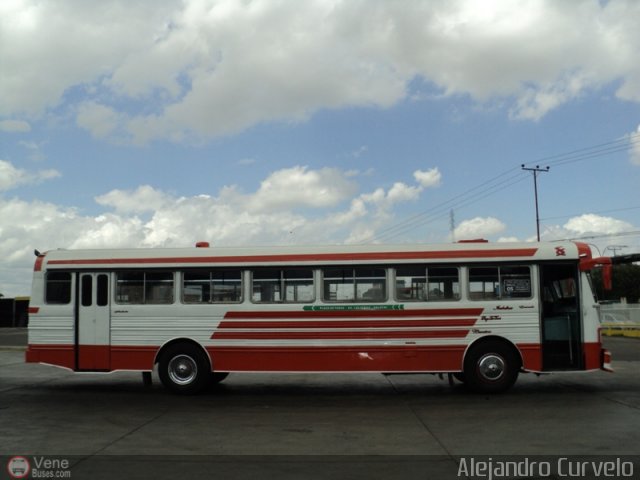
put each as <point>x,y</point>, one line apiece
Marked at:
<point>309,255</point>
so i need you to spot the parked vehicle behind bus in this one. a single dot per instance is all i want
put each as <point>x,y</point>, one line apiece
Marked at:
<point>484,312</point>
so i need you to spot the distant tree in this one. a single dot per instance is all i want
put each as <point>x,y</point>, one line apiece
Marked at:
<point>626,283</point>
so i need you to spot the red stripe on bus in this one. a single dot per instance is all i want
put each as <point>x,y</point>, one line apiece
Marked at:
<point>364,312</point>
<point>37,266</point>
<point>449,322</point>
<point>379,358</point>
<point>411,358</point>
<point>355,335</point>
<point>312,257</point>
<point>33,310</point>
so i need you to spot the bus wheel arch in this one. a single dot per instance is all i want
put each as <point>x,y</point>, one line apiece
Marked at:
<point>491,365</point>
<point>184,366</point>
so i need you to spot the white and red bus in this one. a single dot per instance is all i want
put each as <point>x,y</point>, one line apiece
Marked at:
<point>483,312</point>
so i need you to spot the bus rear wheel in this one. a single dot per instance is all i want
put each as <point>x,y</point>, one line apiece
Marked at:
<point>184,369</point>
<point>491,367</point>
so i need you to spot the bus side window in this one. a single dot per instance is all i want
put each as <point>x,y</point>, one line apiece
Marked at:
<point>294,285</point>
<point>298,285</point>
<point>516,282</point>
<point>144,287</point>
<point>427,284</point>
<point>362,284</point>
<point>443,283</point>
<point>266,286</point>
<point>58,288</point>
<point>103,290</point>
<point>371,284</point>
<point>86,291</point>
<point>411,283</point>
<point>158,288</point>
<point>504,282</point>
<point>215,286</point>
<point>484,283</point>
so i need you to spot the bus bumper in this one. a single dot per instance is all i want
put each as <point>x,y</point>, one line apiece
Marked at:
<point>605,360</point>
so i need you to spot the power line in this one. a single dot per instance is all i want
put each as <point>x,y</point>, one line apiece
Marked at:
<point>587,153</point>
<point>631,233</point>
<point>495,185</point>
<point>441,209</point>
<point>418,219</point>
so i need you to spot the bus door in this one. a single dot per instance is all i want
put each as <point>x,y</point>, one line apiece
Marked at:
<point>561,317</point>
<point>93,336</point>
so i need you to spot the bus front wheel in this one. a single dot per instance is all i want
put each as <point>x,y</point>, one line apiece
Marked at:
<point>491,367</point>
<point>184,369</point>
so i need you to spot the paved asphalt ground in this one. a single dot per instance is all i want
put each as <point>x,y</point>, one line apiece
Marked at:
<point>364,426</point>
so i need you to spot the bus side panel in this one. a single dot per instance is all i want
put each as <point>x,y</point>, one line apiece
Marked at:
<point>446,358</point>
<point>531,354</point>
<point>592,356</point>
<point>58,355</point>
<point>51,335</point>
<point>133,357</point>
<point>591,347</point>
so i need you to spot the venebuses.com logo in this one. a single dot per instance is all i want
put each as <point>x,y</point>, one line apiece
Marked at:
<point>18,467</point>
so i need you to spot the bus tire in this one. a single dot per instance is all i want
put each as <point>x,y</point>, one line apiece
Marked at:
<point>491,367</point>
<point>184,369</point>
<point>217,377</point>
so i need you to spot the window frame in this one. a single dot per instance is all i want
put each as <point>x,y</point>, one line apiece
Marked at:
<point>212,283</point>
<point>283,283</point>
<point>60,283</point>
<point>325,293</point>
<point>144,273</point>
<point>457,296</point>
<point>501,296</point>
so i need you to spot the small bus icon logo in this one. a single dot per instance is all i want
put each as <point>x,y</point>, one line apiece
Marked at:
<point>18,467</point>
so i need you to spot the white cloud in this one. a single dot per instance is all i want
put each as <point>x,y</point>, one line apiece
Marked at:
<point>14,126</point>
<point>599,231</point>
<point>51,46</point>
<point>429,178</point>
<point>144,199</point>
<point>479,227</point>
<point>294,205</point>
<point>101,121</point>
<point>148,217</point>
<point>199,69</point>
<point>595,224</point>
<point>12,177</point>
<point>300,187</point>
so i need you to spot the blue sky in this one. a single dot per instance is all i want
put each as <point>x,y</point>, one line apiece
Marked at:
<point>163,123</point>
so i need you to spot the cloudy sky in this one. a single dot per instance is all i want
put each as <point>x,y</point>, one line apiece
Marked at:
<point>162,123</point>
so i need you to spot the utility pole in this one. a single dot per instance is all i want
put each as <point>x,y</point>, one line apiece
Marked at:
<point>535,171</point>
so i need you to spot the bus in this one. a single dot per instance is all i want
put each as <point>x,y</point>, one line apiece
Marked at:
<point>480,312</point>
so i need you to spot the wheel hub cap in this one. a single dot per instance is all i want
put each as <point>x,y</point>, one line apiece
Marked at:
<point>182,369</point>
<point>491,367</point>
